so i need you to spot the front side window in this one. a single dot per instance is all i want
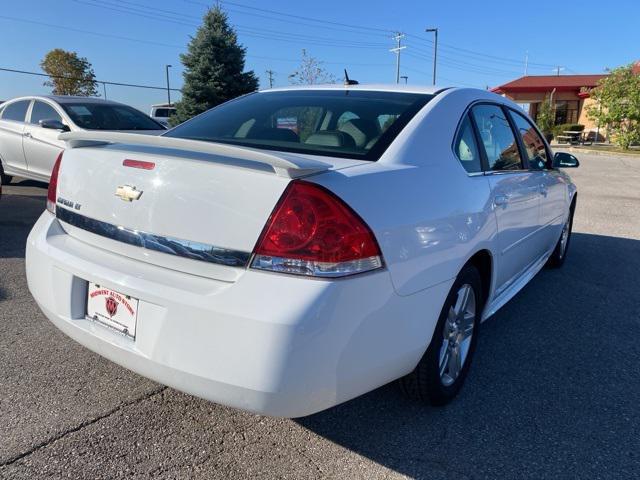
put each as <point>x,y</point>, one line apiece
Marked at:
<point>339,123</point>
<point>498,140</point>
<point>533,143</point>
<point>466,148</point>
<point>43,111</point>
<point>104,116</point>
<point>16,111</point>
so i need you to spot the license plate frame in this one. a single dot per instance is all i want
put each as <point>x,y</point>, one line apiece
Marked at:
<point>112,309</point>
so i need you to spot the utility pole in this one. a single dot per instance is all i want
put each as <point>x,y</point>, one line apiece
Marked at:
<point>270,73</point>
<point>104,88</point>
<point>405,78</point>
<point>398,38</point>
<point>435,51</point>
<point>526,63</point>
<point>558,68</point>
<point>168,88</point>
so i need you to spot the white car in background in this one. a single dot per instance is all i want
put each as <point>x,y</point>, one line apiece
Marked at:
<point>161,112</point>
<point>295,248</point>
<point>29,129</point>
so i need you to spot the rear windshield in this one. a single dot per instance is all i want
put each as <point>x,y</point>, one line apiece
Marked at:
<point>101,116</point>
<point>338,123</point>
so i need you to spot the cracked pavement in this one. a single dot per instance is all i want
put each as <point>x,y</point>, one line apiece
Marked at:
<point>552,393</point>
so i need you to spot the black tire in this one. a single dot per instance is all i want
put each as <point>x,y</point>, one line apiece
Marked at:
<point>4,179</point>
<point>557,258</point>
<point>425,383</point>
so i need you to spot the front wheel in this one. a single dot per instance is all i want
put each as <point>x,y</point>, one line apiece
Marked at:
<point>556,260</point>
<point>4,179</point>
<point>439,375</point>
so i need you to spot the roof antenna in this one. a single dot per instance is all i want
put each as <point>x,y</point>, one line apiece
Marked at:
<point>347,80</point>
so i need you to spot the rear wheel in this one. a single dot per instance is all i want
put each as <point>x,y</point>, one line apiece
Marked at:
<point>443,368</point>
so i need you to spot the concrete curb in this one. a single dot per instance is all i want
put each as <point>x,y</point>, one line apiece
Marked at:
<point>591,151</point>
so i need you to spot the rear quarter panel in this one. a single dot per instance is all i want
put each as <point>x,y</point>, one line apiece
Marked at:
<point>428,215</point>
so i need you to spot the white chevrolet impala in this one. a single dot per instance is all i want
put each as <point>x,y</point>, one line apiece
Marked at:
<point>295,248</point>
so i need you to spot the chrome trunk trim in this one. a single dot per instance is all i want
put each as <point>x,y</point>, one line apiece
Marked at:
<point>170,245</point>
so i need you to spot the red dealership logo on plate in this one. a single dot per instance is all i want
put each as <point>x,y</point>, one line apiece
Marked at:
<point>111,305</point>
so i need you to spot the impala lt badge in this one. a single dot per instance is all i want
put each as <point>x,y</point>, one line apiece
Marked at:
<point>128,193</point>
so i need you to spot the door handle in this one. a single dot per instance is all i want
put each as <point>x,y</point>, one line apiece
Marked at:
<point>543,190</point>
<point>27,135</point>
<point>500,200</point>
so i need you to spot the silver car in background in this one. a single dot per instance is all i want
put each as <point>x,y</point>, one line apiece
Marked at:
<point>29,129</point>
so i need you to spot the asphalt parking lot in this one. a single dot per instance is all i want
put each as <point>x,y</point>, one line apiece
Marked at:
<point>553,392</point>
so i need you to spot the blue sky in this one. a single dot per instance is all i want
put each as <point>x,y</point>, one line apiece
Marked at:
<point>481,43</point>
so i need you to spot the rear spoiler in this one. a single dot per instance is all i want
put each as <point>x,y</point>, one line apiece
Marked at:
<point>284,166</point>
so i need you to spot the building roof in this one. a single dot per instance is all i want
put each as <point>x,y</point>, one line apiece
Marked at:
<point>546,83</point>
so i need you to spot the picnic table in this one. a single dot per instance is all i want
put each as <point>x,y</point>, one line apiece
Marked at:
<point>570,136</point>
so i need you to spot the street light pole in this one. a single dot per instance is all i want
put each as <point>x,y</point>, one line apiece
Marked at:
<point>435,51</point>
<point>168,88</point>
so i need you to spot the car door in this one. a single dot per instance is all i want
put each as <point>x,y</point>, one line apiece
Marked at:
<point>515,193</point>
<point>551,184</point>
<point>11,135</point>
<point>41,145</point>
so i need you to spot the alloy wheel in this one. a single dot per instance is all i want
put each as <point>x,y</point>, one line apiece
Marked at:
<point>457,333</point>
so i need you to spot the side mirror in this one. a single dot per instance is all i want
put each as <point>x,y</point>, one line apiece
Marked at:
<point>54,125</point>
<point>565,160</point>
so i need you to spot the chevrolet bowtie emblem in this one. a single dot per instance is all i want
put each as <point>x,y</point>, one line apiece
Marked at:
<point>127,193</point>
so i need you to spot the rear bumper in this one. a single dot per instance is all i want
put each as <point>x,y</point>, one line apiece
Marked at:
<point>268,343</point>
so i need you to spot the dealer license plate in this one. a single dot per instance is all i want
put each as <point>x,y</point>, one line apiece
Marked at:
<point>112,309</point>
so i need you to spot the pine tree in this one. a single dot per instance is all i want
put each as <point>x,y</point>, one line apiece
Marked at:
<point>214,68</point>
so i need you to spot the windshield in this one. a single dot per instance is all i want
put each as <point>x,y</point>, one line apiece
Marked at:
<point>339,123</point>
<point>102,116</point>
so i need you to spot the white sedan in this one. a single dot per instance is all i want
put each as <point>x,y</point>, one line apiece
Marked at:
<point>295,248</point>
<point>29,129</point>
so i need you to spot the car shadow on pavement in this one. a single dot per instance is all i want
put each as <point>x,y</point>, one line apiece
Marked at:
<point>552,393</point>
<point>18,212</point>
<point>23,182</point>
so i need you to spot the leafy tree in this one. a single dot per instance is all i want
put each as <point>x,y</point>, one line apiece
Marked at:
<point>310,72</point>
<point>214,68</point>
<point>617,104</point>
<point>69,73</point>
<point>546,117</point>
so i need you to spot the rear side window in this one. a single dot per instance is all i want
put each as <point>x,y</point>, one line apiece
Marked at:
<point>43,111</point>
<point>466,148</point>
<point>532,141</point>
<point>16,111</point>
<point>498,140</point>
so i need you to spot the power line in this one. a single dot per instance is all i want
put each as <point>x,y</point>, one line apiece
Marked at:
<point>153,13</point>
<point>479,54</point>
<point>137,40</point>
<point>104,82</point>
<point>349,29</point>
<point>298,17</point>
<point>255,32</point>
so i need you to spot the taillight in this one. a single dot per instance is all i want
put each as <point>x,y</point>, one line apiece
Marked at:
<point>53,185</point>
<point>312,232</point>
